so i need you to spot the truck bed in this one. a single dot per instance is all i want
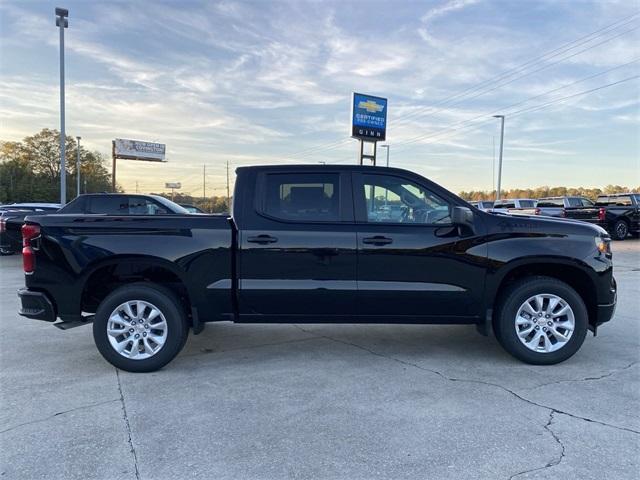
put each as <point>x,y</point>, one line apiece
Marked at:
<point>73,248</point>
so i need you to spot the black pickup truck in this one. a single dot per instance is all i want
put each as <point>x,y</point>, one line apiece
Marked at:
<point>318,244</point>
<point>619,214</point>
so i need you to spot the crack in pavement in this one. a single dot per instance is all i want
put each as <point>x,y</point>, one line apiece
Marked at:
<point>463,380</point>
<point>57,414</point>
<point>128,427</point>
<point>553,462</point>
<point>588,379</point>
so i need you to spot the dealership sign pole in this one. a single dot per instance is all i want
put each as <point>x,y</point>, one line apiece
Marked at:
<point>124,149</point>
<point>368,123</point>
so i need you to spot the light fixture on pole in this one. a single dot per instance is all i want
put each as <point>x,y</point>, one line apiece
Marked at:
<point>78,165</point>
<point>62,22</point>
<point>388,148</point>
<point>501,117</point>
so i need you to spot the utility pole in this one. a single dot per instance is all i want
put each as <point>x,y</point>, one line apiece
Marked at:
<point>136,186</point>
<point>204,184</point>
<point>501,117</point>
<point>78,166</point>
<point>62,23</point>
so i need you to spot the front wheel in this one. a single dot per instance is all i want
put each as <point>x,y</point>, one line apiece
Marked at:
<point>541,321</point>
<point>140,327</point>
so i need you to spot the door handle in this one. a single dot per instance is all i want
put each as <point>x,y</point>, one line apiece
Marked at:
<point>262,239</point>
<point>377,240</point>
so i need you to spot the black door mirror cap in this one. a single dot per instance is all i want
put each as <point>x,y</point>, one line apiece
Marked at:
<point>462,216</point>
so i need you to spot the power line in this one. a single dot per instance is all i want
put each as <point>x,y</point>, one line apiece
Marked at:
<point>578,42</point>
<point>504,75</point>
<point>483,115</point>
<point>478,125</point>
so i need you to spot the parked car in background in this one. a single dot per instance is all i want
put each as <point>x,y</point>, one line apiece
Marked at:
<point>515,206</point>
<point>33,207</point>
<point>578,208</point>
<point>11,220</point>
<point>122,204</point>
<point>484,205</point>
<point>316,244</point>
<point>619,214</point>
<point>191,208</point>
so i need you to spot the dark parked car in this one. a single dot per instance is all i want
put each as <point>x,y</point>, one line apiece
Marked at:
<point>122,204</point>
<point>11,220</point>
<point>578,208</point>
<point>619,214</point>
<point>318,244</point>
<point>191,208</point>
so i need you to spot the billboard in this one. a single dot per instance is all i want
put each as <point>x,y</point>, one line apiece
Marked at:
<point>138,150</point>
<point>368,117</point>
<point>172,185</point>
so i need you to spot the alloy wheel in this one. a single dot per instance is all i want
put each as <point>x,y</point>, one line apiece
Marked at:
<point>137,329</point>
<point>545,323</point>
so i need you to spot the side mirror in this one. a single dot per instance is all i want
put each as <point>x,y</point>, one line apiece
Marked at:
<point>462,216</point>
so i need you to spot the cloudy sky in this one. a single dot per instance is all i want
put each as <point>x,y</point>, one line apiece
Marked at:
<point>270,82</point>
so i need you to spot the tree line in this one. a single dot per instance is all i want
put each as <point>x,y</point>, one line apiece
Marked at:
<point>541,192</point>
<point>30,172</point>
<point>30,169</point>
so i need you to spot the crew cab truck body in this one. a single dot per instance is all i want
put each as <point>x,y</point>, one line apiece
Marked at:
<point>619,214</point>
<point>577,208</point>
<point>320,244</point>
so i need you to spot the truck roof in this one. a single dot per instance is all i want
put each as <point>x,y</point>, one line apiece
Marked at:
<point>320,167</point>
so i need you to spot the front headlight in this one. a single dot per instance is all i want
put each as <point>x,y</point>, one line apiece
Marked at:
<point>603,244</point>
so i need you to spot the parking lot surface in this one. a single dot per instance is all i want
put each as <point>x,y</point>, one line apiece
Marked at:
<point>321,401</point>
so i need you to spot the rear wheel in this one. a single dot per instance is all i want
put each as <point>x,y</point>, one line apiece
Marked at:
<point>620,230</point>
<point>541,321</point>
<point>140,327</point>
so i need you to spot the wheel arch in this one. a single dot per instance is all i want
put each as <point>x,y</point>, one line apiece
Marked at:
<point>573,273</point>
<point>105,276</point>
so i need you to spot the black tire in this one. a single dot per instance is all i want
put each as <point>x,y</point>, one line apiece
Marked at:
<point>161,298</point>
<point>515,296</point>
<point>620,230</point>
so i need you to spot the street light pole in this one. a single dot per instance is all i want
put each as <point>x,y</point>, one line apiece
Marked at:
<point>387,147</point>
<point>62,23</point>
<point>78,166</point>
<point>501,117</point>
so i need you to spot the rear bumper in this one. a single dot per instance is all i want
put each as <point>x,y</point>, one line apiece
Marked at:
<point>36,305</point>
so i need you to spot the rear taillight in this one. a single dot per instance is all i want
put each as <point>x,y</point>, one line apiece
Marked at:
<point>601,214</point>
<point>29,233</point>
<point>3,225</point>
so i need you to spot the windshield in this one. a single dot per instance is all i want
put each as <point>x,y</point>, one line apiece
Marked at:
<point>171,206</point>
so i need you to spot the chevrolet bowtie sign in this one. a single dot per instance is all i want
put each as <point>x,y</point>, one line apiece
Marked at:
<point>368,117</point>
<point>138,150</point>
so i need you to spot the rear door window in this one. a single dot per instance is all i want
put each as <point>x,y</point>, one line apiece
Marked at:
<point>552,202</point>
<point>108,205</point>
<point>310,197</point>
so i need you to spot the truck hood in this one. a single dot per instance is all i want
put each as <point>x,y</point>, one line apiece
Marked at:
<point>550,225</point>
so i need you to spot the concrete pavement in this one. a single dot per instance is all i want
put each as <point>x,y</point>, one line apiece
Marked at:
<point>321,401</point>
